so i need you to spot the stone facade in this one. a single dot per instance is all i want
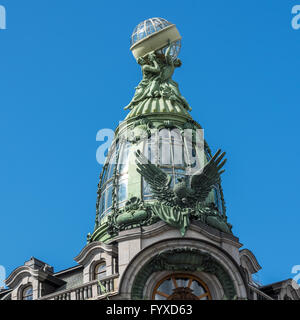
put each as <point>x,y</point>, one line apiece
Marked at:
<point>226,269</point>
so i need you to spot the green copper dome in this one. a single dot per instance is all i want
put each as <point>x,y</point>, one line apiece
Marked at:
<point>158,106</point>
<point>181,181</point>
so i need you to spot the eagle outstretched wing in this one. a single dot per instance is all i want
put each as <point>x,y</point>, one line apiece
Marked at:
<point>158,180</point>
<point>203,180</point>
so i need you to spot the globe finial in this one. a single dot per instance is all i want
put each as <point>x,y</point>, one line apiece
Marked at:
<point>154,35</point>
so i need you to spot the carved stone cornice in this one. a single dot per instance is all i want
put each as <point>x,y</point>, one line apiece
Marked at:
<point>19,273</point>
<point>97,245</point>
<point>187,259</point>
<point>250,258</point>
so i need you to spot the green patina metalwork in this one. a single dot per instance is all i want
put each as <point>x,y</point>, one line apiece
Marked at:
<point>158,104</point>
<point>183,260</point>
<point>137,214</point>
<point>176,203</point>
<point>98,200</point>
<point>174,216</point>
<point>157,80</point>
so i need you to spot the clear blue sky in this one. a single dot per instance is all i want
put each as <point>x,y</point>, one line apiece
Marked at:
<point>67,72</point>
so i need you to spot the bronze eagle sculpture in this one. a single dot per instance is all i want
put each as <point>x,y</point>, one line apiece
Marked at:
<point>188,191</point>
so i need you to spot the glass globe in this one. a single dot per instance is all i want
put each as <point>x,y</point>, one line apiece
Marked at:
<point>150,26</point>
<point>175,49</point>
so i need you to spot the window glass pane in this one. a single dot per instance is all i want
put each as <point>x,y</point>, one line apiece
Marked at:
<point>178,155</point>
<point>100,268</point>
<point>176,135</point>
<point>165,153</point>
<point>111,166</point>
<point>197,288</point>
<point>179,172</point>
<point>159,297</point>
<point>166,287</point>
<point>103,176</point>
<point>102,203</point>
<point>124,158</point>
<point>164,134</point>
<point>122,191</point>
<point>193,161</point>
<point>100,271</point>
<point>182,287</point>
<point>150,151</point>
<point>109,197</point>
<point>182,282</point>
<point>218,200</point>
<point>146,188</point>
<point>27,293</point>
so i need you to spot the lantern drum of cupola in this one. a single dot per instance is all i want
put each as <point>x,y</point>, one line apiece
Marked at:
<point>159,128</point>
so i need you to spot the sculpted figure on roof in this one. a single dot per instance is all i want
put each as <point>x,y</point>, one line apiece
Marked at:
<point>157,70</point>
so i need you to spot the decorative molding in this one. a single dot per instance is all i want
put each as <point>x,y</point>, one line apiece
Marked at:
<point>96,245</point>
<point>217,253</point>
<point>250,260</point>
<point>182,259</point>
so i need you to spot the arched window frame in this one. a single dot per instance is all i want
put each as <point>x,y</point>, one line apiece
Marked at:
<point>96,273</point>
<point>173,277</point>
<point>24,295</point>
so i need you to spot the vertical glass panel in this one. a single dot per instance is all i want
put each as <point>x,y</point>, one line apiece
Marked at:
<point>146,189</point>
<point>190,156</point>
<point>178,155</point>
<point>165,147</point>
<point>102,203</point>
<point>124,158</point>
<point>151,149</point>
<point>165,154</point>
<point>109,197</point>
<point>122,192</point>
<point>218,200</point>
<point>164,133</point>
<point>111,166</point>
<point>176,135</point>
<point>103,176</point>
<point>150,152</point>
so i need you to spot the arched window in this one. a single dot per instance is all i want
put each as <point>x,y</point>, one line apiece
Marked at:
<point>27,293</point>
<point>100,271</point>
<point>181,287</point>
